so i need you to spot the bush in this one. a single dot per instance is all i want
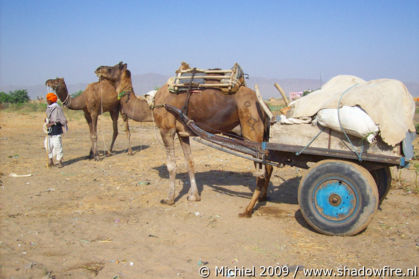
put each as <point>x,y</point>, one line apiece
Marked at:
<point>14,97</point>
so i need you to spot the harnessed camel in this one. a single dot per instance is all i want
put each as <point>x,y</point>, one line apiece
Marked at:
<point>216,112</point>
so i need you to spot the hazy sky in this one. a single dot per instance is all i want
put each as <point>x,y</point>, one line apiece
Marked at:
<point>274,39</point>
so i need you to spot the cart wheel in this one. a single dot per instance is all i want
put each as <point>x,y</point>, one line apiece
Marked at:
<point>338,197</point>
<point>382,178</point>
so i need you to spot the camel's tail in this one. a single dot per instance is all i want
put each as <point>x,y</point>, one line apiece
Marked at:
<point>267,114</point>
<point>267,127</point>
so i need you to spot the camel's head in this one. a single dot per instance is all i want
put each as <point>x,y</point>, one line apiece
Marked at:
<point>112,73</point>
<point>55,84</point>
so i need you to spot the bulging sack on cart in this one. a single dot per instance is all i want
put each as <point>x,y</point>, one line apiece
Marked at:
<point>353,120</point>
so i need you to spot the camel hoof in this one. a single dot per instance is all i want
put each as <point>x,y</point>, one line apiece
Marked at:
<point>109,153</point>
<point>167,202</point>
<point>245,214</point>
<point>130,153</point>
<point>194,198</point>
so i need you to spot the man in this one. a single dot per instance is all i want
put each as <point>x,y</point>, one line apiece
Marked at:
<point>56,121</point>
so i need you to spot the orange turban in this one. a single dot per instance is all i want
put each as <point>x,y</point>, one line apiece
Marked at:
<point>52,97</point>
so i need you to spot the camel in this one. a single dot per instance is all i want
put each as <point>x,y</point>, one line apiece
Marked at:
<point>225,113</point>
<point>213,111</point>
<point>98,97</point>
<point>132,106</point>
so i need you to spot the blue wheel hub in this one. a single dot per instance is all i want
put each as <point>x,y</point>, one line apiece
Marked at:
<point>335,199</point>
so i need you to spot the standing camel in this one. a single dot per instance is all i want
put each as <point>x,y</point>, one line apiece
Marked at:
<point>98,97</point>
<point>134,107</point>
<point>215,112</point>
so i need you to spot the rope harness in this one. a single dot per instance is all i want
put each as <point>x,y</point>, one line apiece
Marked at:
<point>67,101</point>
<point>351,146</point>
<point>188,96</point>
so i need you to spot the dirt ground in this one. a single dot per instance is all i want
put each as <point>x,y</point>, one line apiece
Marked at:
<point>104,219</point>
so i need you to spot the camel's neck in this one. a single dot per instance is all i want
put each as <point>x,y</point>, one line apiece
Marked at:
<point>136,108</point>
<point>72,103</point>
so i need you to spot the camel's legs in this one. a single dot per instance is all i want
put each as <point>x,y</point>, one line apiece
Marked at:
<point>114,116</point>
<point>267,178</point>
<point>93,135</point>
<point>128,132</point>
<point>168,136</point>
<point>262,182</point>
<point>193,194</point>
<point>89,122</point>
<point>253,129</point>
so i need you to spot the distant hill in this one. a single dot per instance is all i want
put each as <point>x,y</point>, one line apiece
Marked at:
<point>145,82</point>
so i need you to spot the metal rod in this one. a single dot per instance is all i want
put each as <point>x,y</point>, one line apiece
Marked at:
<point>220,148</point>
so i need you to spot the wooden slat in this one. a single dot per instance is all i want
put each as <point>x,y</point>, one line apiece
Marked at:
<point>206,71</point>
<point>284,96</point>
<point>262,103</point>
<point>205,85</point>
<point>324,152</point>
<point>203,77</point>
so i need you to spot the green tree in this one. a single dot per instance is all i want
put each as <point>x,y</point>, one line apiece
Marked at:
<point>4,98</point>
<point>19,96</point>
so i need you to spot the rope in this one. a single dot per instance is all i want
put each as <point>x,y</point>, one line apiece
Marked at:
<point>186,105</point>
<point>67,100</point>
<point>132,111</point>
<point>155,126</point>
<point>101,112</point>
<point>312,140</point>
<point>352,146</point>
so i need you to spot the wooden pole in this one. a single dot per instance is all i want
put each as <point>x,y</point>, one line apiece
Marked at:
<point>284,96</point>
<point>262,103</point>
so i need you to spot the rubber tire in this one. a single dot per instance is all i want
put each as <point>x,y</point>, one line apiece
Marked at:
<point>363,185</point>
<point>382,178</point>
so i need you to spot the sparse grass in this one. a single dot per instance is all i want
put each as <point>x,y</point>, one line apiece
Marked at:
<point>73,114</point>
<point>24,107</point>
<point>34,106</point>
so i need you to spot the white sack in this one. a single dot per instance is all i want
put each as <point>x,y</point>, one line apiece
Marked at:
<point>353,120</point>
<point>284,120</point>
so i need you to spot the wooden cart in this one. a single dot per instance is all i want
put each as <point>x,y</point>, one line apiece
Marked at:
<point>341,190</point>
